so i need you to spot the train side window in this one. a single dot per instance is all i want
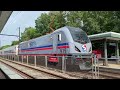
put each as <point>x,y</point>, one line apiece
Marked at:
<point>59,37</point>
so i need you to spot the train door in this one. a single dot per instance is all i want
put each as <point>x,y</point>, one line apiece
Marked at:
<point>54,42</point>
<point>57,38</point>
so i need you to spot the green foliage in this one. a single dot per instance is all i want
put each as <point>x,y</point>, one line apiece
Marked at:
<point>59,20</point>
<point>73,18</point>
<point>43,22</point>
<point>28,34</point>
<point>14,43</point>
<point>94,22</point>
<point>6,46</point>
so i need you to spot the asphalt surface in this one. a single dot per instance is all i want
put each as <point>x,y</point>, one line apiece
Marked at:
<point>2,76</point>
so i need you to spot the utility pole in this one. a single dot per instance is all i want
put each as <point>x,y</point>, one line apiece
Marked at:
<point>0,43</point>
<point>19,43</point>
<point>12,35</point>
<point>19,34</point>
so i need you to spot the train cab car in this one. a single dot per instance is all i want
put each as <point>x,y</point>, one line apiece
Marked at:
<point>66,40</point>
<point>63,41</point>
<point>13,50</point>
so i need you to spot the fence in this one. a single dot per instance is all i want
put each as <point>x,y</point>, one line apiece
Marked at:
<point>62,63</point>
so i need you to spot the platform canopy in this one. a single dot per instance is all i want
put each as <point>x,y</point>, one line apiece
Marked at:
<point>107,35</point>
<point>4,16</point>
<point>104,38</point>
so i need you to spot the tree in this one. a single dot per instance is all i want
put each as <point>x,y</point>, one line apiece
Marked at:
<point>15,43</point>
<point>6,46</point>
<point>28,34</point>
<point>59,20</point>
<point>43,22</point>
<point>74,18</point>
<point>95,21</point>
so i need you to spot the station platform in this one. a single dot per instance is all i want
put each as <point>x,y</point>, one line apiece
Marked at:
<point>10,73</point>
<point>112,66</point>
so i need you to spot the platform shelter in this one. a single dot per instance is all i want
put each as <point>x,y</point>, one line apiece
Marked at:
<point>105,38</point>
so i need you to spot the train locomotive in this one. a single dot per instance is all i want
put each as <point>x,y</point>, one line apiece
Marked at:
<point>67,41</point>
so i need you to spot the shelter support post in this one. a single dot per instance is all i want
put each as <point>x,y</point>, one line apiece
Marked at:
<point>117,48</point>
<point>105,53</point>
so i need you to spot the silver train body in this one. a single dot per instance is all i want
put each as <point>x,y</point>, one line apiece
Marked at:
<point>13,50</point>
<point>66,40</point>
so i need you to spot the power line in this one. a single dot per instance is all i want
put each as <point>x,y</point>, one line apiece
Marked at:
<point>9,35</point>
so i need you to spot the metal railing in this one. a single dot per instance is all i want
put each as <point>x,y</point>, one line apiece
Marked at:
<point>95,68</point>
<point>63,62</point>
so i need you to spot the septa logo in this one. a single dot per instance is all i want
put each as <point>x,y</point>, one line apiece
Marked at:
<point>84,47</point>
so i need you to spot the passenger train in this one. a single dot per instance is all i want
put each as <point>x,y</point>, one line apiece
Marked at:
<point>63,41</point>
<point>13,50</point>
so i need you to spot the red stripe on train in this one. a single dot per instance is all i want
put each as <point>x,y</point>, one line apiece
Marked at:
<point>36,49</point>
<point>42,49</point>
<point>42,54</point>
<point>63,46</point>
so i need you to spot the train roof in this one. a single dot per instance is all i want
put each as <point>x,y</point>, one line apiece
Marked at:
<point>60,29</point>
<point>69,28</point>
<point>10,47</point>
<point>36,38</point>
<point>107,35</point>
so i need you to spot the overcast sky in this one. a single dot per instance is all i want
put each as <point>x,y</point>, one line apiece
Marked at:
<point>17,19</point>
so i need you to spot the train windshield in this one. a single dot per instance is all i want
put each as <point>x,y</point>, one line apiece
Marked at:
<point>79,35</point>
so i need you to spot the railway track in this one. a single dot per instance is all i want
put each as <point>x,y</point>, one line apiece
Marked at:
<point>22,74</point>
<point>81,74</point>
<point>34,72</point>
<point>103,74</point>
<point>88,75</point>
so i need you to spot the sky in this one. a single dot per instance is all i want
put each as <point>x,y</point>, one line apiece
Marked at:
<point>18,19</point>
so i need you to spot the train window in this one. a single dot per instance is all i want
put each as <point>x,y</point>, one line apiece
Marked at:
<point>59,37</point>
<point>79,35</point>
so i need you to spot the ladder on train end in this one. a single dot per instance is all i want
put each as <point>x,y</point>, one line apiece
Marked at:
<point>95,68</point>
